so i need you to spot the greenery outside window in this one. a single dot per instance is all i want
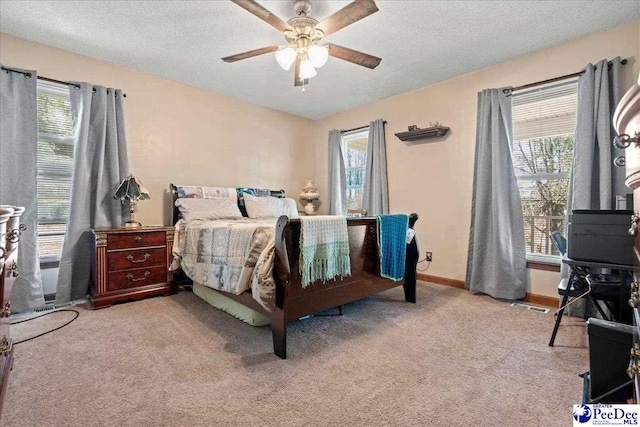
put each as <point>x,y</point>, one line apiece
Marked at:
<point>354,150</point>
<point>544,121</point>
<point>55,168</point>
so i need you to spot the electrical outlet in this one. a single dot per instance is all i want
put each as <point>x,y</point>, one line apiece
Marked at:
<point>429,257</point>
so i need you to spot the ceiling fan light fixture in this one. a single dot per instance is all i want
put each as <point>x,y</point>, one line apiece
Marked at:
<point>318,55</point>
<point>303,33</point>
<point>306,69</point>
<point>286,56</point>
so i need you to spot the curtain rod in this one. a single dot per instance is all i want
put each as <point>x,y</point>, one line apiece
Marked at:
<point>555,79</point>
<point>46,79</point>
<point>360,128</point>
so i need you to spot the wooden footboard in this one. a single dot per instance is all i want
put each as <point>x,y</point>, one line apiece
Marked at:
<point>293,301</point>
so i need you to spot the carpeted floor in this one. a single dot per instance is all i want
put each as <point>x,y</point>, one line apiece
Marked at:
<point>453,359</point>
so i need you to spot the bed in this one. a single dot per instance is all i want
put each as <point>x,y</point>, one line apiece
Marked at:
<point>291,300</point>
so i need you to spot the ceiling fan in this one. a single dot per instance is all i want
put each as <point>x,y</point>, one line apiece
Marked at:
<point>303,34</point>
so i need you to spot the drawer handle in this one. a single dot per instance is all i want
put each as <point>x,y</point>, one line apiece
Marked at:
<point>14,269</point>
<point>6,311</point>
<point>623,141</point>
<point>5,346</point>
<point>138,261</point>
<point>634,299</point>
<point>634,369</point>
<point>131,279</point>
<point>138,239</point>
<point>634,225</point>
<point>3,252</point>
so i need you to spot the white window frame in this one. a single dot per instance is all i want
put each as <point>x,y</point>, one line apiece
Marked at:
<point>351,136</point>
<point>54,89</point>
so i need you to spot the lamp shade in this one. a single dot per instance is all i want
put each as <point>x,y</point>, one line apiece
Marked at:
<point>318,55</point>
<point>131,188</point>
<point>306,69</point>
<point>286,57</point>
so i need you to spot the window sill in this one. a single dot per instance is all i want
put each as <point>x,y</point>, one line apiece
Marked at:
<point>543,265</point>
<point>49,263</point>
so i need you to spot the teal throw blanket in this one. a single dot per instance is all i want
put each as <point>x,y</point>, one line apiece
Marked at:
<point>392,242</point>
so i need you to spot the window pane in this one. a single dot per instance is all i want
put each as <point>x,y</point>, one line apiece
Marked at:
<point>543,155</point>
<point>355,161</point>
<point>55,158</point>
<point>354,198</point>
<point>537,233</point>
<point>355,178</point>
<point>54,111</point>
<point>356,153</point>
<point>50,238</point>
<point>543,206</point>
<point>545,111</point>
<point>543,131</point>
<point>55,167</point>
<point>54,197</point>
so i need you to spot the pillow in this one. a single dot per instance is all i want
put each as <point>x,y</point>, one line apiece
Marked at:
<point>258,192</point>
<point>199,192</point>
<point>290,207</point>
<point>208,209</point>
<point>270,207</point>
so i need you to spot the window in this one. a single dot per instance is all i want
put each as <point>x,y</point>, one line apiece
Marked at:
<point>544,121</point>
<point>354,150</point>
<point>55,167</point>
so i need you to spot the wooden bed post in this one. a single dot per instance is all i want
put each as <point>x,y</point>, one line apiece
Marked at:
<point>281,272</point>
<point>410,265</point>
<point>279,332</point>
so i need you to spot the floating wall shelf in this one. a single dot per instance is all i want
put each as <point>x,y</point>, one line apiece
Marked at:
<point>418,134</point>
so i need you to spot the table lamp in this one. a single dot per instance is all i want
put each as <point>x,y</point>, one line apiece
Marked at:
<point>310,193</point>
<point>133,189</point>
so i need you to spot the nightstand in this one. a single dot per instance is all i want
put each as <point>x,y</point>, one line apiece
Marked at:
<point>131,263</point>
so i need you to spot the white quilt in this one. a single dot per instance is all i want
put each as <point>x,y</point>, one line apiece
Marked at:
<point>228,255</point>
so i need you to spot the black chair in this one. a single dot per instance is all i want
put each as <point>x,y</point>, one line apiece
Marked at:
<point>597,288</point>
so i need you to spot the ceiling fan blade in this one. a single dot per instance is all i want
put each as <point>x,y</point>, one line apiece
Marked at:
<point>349,14</point>
<point>296,72</point>
<point>250,54</point>
<point>254,8</point>
<point>354,56</point>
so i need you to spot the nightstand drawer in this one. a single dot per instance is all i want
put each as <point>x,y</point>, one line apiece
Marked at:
<point>136,278</point>
<point>135,240</point>
<point>136,259</point>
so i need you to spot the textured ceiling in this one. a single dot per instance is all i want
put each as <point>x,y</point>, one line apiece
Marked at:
<point>420,42</point>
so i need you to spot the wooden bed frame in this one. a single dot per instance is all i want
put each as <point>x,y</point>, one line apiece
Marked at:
<point>293,301</point>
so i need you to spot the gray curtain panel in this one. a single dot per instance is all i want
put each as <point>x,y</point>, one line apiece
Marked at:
<point>595,182</point>
<point>18,173</point>
<point>375,198</point>
<point>100,164</point>
<point>496,263</point>
<point>337,175</point>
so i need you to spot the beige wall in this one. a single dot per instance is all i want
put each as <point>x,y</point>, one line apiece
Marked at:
<point>181,134</point>
<point>434,179</point>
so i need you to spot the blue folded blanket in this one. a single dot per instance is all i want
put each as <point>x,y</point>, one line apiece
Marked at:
<point>392,236</point>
